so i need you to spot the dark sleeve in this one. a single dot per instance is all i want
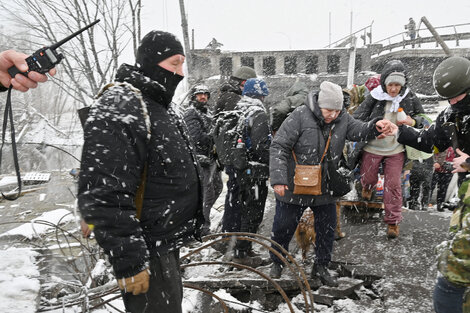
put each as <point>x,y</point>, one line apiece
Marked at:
<point>199,137</point>
<point>422,140</point>
<point>260,137</point>
<point>112,162</point>
<point>281,148</point>
<point>363,112</point>
<point>361,131</point>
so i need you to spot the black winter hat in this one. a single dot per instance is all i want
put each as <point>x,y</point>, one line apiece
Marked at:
<point>155,47</point>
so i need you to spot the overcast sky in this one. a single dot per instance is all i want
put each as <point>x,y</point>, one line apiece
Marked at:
<point>249,25</point>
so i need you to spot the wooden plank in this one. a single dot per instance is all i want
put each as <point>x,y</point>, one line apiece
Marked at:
<point>364,204</point>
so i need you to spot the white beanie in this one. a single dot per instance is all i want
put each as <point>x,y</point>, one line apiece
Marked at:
<point>330,96</point>
<point>395,77</point>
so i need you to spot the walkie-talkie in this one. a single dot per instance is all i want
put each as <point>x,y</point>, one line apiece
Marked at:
<point>46,58</point>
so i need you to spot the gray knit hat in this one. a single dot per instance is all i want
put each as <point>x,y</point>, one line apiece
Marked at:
<point>330,96</point>
<point>396,77</point>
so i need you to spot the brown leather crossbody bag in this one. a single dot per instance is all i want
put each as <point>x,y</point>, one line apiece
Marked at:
<point>307,178</point>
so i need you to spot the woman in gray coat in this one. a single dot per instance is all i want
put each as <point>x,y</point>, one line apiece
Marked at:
<point>305,132</point>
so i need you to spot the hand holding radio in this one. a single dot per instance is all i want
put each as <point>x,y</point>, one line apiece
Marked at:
<point>31,67</point>
<point>11,58</point>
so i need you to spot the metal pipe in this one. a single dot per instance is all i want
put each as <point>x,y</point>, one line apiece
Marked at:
<point>436,36</point>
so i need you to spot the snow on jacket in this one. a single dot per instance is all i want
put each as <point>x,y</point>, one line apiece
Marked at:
<point>305,132</point>
<point>295,97</point>
<point>372,108</point>
<point>258,129</point>
<point>116,148</point>
<point>199,123</point>
<point>450,129</point>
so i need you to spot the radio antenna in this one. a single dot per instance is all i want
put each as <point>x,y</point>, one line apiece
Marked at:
<point>60,43</point>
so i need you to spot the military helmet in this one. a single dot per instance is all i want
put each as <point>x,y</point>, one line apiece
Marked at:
<point>452,77</point>
<point>200,89</point>
<point>244,73</point>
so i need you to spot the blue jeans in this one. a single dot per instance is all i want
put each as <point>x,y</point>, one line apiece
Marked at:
<point>285,223</point>
<point>448,297</point>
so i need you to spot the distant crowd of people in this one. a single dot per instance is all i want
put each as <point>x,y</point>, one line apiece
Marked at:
<point>149,177</point>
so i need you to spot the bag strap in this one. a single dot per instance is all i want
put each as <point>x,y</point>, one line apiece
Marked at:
<point>324,152</point>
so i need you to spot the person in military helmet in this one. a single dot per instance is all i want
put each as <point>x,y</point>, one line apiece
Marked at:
<point>199,121</point>
<point>451,129</point>
<point>451,81</point>
<point>231,91</point>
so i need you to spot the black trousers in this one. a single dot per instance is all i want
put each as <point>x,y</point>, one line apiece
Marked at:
<point>287,218</point>
<point>232,219</point>
<point>420,182</point>
<point>165,292</point>
<point>244,205</point>
<point>442,181</point>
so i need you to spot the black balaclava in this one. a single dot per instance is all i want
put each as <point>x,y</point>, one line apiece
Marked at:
<point>155,47</point>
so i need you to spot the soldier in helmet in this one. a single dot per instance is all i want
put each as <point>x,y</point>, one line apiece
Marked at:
<point>199,122</point>
<point>451,129</point>
<point>451,81</point>
<point>231,91</point>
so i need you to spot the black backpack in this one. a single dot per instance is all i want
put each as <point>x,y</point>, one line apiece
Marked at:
<point>230,138</point>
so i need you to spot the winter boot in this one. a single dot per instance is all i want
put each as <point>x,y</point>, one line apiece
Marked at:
<point>321,271</point>
<point>241,257</point>
<point>413,205</point>
<point>276,270</point>
<point>440,208</point>
<point>393,231</point>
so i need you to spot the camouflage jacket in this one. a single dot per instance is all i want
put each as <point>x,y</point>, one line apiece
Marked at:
<point>454,253</point>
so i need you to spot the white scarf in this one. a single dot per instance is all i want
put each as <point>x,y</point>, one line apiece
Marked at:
<point>378,94</point>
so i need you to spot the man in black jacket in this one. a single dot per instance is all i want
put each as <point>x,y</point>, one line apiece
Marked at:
<point>139,184</point>
<point>199,122</point>
<point>231,91</point>
<point>451,127</point>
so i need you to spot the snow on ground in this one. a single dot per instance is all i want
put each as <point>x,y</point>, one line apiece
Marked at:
<point>39,225</point>
<point>19,282</point>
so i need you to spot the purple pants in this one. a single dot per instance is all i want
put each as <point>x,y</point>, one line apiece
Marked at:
<point>393,166</point>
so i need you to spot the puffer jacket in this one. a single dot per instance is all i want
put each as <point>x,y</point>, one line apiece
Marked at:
<point>306,133</point>
<point>117,147</point>
<point>230,94</point>
<point>199,123</point>
<point>295,97</point>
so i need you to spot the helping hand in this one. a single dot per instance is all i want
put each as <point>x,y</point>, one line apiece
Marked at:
<point>136,284</point>
<point>20,82</point>
<point>387,128</point>
<point>459,162</point>
<point>280,189</point>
